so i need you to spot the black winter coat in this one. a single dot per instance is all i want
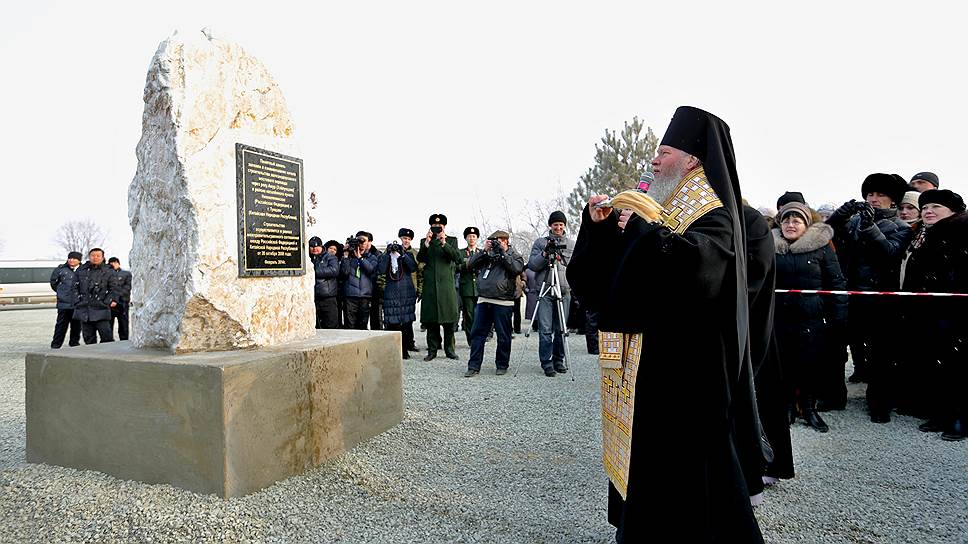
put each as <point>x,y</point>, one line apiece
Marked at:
<point>497,273</point>
<point>95,288</point>
<point>326,268</point>
<point>399,292</point>
<point>62,282</point>
<point>124,285</point>
<point>808,263</point>
<point>872,255</point>
<point>940,264</point>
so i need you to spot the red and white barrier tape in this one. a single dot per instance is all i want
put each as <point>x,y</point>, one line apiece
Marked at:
<point>891,293</point>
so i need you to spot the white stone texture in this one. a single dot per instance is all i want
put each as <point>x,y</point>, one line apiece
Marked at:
<point>202,95</point>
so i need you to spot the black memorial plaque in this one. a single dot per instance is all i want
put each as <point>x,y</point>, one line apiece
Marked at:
<point>270,199</point>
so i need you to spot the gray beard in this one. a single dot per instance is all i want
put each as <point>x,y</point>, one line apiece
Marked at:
<point>664,184</point>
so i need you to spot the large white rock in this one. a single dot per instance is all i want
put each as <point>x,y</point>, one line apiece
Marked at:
<point>203,95</point>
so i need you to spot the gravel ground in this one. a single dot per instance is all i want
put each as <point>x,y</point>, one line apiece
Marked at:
<point>488,459</point>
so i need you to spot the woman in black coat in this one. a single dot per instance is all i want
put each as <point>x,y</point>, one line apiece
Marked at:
<point>939,264</point>
<point>806,260</point>
<point>399,293</point>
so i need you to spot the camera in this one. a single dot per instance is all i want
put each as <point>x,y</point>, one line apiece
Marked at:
<point>394,246</point>
<point>353,243</point>
<point>554,246</point>
<point>436,230</point>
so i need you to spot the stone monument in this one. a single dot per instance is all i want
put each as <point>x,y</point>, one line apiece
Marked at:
<point>225,386</point>
<point>202,97</point>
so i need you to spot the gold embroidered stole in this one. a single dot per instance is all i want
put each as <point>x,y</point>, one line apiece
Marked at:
<point>619,353</point>
<point>692,199</point>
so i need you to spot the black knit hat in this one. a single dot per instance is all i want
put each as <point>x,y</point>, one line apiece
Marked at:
<point>472,230</point>
<point>945,197</point>
<point>405,232</point>
<point>557,216</point>
<point>315,241</point>
<point>929,177</point>
<point>790,196</point>
<point>438,218</point>
<point>75,255</point>
<point>891,185</point>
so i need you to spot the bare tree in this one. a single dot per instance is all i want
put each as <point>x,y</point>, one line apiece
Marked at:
<point>80,235</point>
<point>525,222</point>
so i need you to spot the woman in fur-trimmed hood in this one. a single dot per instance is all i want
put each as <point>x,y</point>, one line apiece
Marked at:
<point>805,260</point>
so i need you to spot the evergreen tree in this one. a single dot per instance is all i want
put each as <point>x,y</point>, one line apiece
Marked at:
<point>620,159</point>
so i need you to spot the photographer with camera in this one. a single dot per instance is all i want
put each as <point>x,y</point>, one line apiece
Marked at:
<point>875,240</point>
<point>358,271</point>
<point>497,268</point>
<point>438,309</point>
<point>547,252</point>
<point>376,302</point>
<point>399,294</point>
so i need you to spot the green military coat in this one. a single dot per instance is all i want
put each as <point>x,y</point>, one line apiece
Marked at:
<point>467,286</point>
<point>439,298</point>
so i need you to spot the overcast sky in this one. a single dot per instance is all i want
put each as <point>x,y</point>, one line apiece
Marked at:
<point>403,109</point>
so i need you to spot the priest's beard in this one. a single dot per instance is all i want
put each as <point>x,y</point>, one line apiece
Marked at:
<point>666,182</point>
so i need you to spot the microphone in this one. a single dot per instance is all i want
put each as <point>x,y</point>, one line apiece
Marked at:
<point>645,181</point>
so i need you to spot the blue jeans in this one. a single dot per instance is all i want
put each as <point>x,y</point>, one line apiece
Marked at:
<point>485,315</point>
<point>551,342</point>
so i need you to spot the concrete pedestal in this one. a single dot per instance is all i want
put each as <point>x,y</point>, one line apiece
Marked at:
<point>227,423</point>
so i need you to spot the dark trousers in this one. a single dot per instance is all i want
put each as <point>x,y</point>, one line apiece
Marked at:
<point>434,340</point>
<point>485,316</point>
<point>551,342</point>
<point>516,316</point>
<point>408,342</point>
<point>65,319</point>
<point>327,313</point>
<point>93,329</point>
<point>120,312</point>
<point>406,331</point>
<point>376,314</point>
<point>468,306</point>
<point>357,312</point>
<point>878,335</point>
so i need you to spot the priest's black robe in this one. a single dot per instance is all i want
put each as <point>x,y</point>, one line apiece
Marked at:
<point>772,398</point>
<point>682,293</point>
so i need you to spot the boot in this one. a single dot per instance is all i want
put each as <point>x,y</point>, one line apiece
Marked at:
<point>812,417</point>
<point>956,431</point>
<point>792,413</point>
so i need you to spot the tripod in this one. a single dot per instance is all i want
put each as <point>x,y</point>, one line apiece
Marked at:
<point>552,290</point>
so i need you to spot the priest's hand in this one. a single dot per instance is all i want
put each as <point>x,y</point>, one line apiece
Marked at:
<point>624,217</point>
<point>598,214</point>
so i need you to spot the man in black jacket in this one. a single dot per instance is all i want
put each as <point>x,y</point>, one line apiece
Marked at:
<point>326,269</point>
<point>497,267</point>
<point>120,312</point>
<point>875,240</point>
<point>96,291</point>
<point>62,282</point>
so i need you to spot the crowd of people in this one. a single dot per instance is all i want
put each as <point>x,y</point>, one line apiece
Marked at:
<point>757,313</point>
<point>477,288</point>
<point>90,298</point>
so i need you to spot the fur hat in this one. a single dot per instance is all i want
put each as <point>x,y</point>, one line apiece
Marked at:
<point>798,208</point>
<point>315,241</point>
<point>438,218</point>
<point>945,197</point>
<point>405,232</point>
<point>472,230</point>
<point>557,216</point>
<point>891,185</point>
<point>790,196</point>
<point>75,255</point>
